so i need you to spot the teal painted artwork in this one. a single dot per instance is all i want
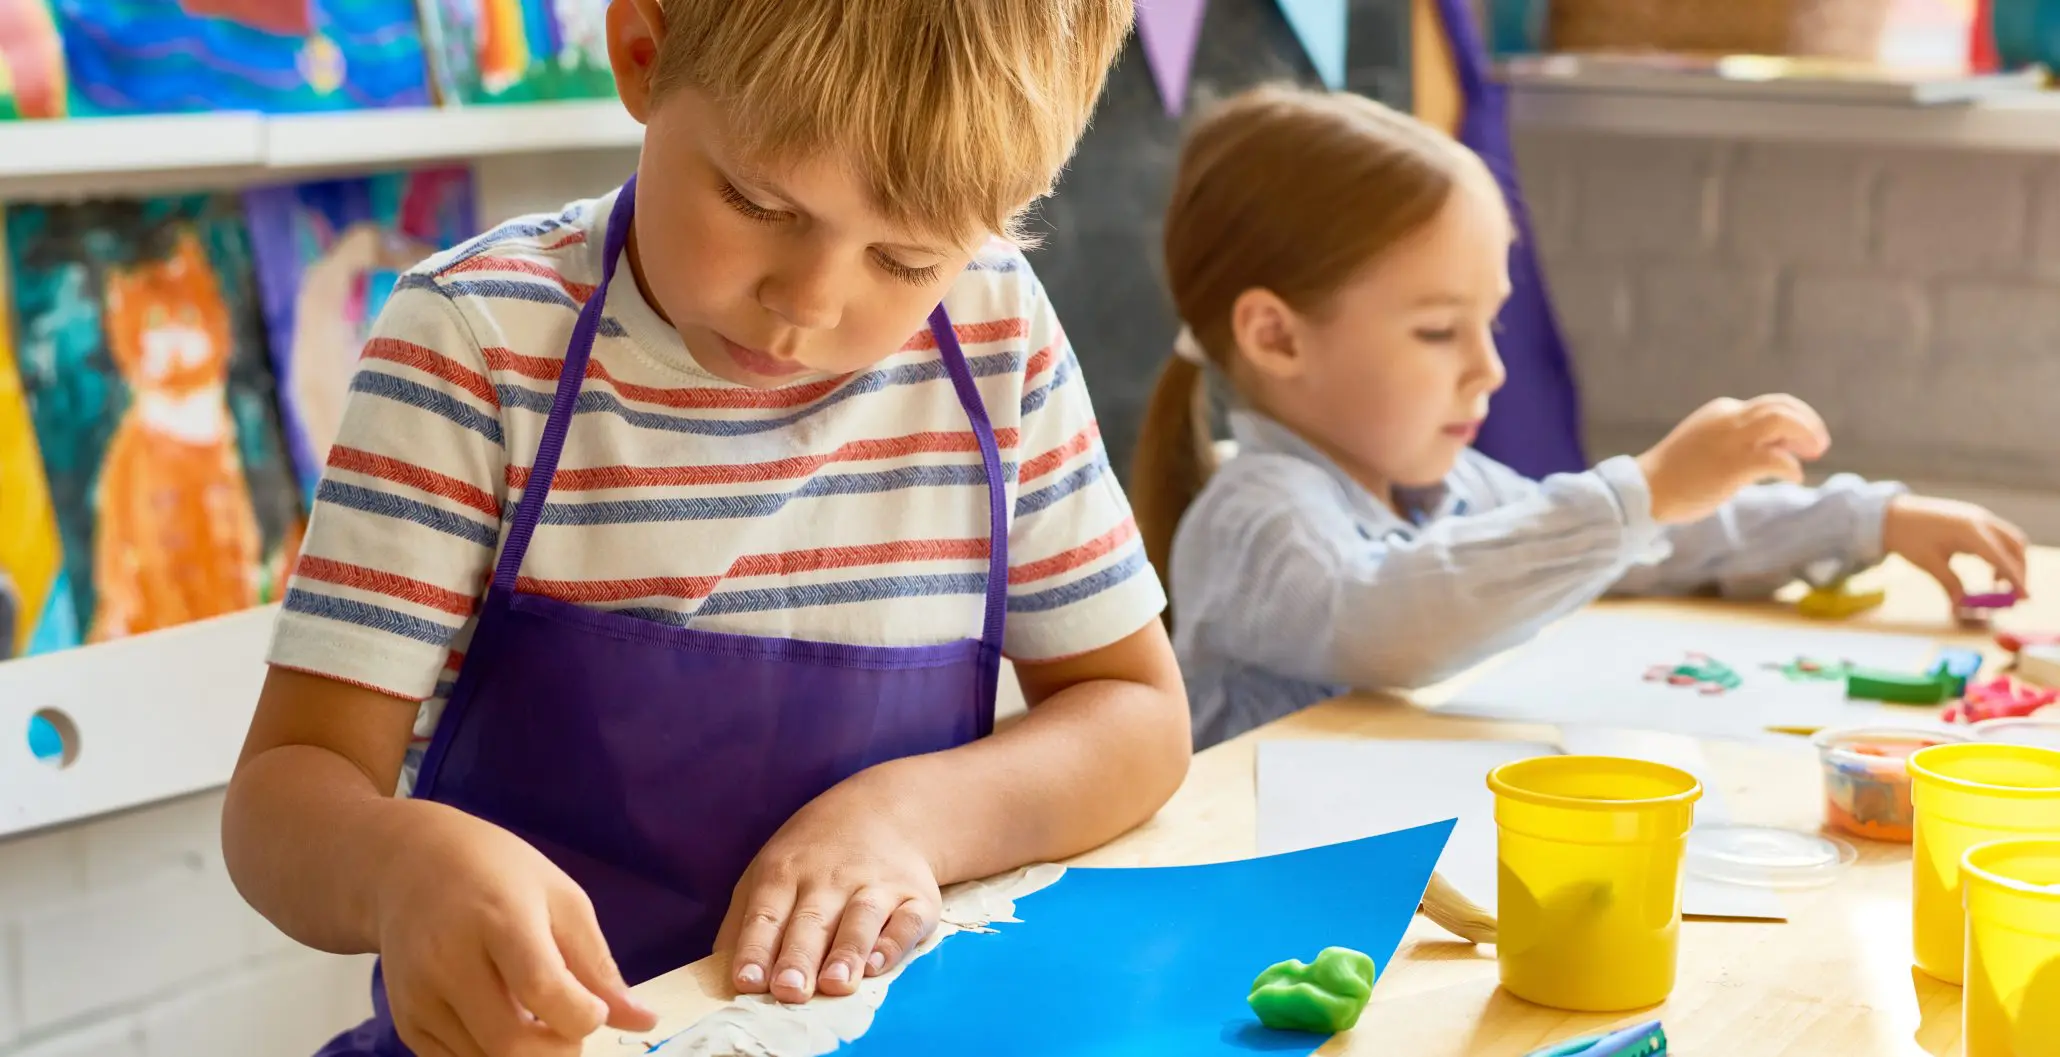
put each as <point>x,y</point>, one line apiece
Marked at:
<point>275,56</point>
<point>518,51</point>
<point>141,355</point>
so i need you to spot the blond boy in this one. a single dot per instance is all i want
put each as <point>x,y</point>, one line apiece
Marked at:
<point>653,598</point>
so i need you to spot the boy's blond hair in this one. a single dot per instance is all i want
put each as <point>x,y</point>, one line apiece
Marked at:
<point>956,114</point>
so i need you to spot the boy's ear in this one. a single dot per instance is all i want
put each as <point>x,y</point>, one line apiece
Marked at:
<point>635,28</point>
<point>1264,326</point>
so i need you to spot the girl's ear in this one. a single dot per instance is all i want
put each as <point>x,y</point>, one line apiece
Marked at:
<point>1266,330</point>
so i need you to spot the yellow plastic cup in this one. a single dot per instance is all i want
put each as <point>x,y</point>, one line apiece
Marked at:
<point>1590,852</point>
<point>1966,795</point>
<point>2011,1007</point>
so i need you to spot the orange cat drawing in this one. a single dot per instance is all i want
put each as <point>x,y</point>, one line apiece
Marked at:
<point>176,538</point>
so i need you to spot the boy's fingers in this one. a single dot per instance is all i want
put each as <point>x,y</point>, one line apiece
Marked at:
<point>857,931</point>
<point>758,928</point>
<point>905,930</point>
<point>1777,464</point>
<point>585,950</point>
<point>530,964</point>
<point>439,1033</point>
<point>804,942</point>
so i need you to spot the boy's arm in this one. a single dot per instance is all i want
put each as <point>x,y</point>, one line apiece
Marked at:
<point>1768,535</point>
<point>1104,745</point>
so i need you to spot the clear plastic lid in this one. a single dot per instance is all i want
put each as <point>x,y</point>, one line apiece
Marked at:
<point>1765,857</point>
<point>2040,730</point>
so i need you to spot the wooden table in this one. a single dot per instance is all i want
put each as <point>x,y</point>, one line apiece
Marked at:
<point>1835,978</point>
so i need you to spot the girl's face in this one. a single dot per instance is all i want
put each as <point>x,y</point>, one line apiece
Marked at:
<point>1391,377</point>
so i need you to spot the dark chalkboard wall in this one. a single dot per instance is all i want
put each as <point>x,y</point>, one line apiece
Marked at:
<point>1100,258</point>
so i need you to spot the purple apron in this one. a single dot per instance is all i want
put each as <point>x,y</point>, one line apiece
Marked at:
<point>651,762</point>
<point>1534,426</point>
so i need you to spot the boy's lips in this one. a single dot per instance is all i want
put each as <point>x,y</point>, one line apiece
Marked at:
<point>1466,431</point>
<point>762,364</point>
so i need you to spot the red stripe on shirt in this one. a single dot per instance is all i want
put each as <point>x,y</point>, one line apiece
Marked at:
<point>971,333</point>
<point>413,476</point>
<point>574,239</point>
<point>597,477</point>
<point>1050,461</point>
<point>430,361</point>
<point>407,589</point>
<point>784,563</point>
<point>1067,561</point>
<point>697,398</point>
<point>577,291</point>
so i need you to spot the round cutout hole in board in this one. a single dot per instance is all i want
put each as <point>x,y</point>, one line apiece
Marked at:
<point>53,738</point>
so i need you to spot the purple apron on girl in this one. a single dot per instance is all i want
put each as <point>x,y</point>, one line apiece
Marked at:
<point>651,762</point>
<point>1535,425</point>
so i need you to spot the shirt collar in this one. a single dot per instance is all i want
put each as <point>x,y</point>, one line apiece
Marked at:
<point>1259,434</point>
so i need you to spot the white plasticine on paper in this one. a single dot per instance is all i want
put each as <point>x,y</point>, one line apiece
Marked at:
<point>758,1026</point>
<point>1313,793</point>
<point>1590,669</point>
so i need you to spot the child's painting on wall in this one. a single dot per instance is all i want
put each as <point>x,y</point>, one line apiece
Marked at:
<point>517,51</point>
<point>35,603</point>
<point>31,61</point>
<point>169,56</point>
<point>141,353</point>
<point>328,253</point>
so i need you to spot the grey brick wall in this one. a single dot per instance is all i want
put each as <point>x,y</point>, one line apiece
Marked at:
<point>1913,297</point>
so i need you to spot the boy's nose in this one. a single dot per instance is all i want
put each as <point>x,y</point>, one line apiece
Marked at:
<point>804,297</point>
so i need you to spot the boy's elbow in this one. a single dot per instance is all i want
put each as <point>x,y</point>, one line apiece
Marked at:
<point>1166,749</point>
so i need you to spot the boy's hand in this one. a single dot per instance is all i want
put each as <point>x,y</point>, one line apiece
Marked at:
<point>489,949</point>
<point>1726,445</point>
<point>839,893</point>
<point>1928,532</point>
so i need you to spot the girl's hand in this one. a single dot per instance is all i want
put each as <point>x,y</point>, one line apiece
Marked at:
<point>839,893</point>
<point>489,949</point>
<point>1726,445</point>
<point>1928,532</point>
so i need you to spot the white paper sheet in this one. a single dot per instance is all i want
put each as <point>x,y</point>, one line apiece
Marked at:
<point>1313,793</point>
<point>1590,669</point>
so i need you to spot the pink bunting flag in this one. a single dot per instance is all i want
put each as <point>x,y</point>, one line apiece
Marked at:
<point>1169,30</point>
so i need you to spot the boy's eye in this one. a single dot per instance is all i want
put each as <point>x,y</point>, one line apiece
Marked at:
<point>905,273</point>
<point>1437,335</point>
<point>747,207</point>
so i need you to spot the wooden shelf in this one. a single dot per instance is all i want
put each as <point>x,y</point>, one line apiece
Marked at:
<point>82,156</point>
<point>156,716</point>
<point>2028,122</point>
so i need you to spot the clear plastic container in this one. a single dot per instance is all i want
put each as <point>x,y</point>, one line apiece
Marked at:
<point>1590,852</point>
<point>1766,857</point>
<point>2043,731</point>
<point>1966,795</point>
<point>2011,1007</point>
<point>1867,780</point>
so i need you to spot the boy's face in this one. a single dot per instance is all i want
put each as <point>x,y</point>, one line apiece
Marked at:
<point>773,275</point>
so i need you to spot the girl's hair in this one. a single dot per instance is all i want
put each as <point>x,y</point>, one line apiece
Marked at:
<point>1288,190</point>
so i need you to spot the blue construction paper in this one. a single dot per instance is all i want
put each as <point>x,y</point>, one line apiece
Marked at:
<point>1138,962</point>
<point>1320,26</point>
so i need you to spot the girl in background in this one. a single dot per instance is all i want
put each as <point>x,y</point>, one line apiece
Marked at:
<point>1339,268</point>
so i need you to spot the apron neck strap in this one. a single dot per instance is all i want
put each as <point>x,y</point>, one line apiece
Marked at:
<point>574,370</point>
<point>997,487</point>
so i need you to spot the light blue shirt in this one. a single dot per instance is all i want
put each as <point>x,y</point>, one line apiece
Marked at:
<point>1292,584</point>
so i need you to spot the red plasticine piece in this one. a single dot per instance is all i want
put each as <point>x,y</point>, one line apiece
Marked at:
<point>1999,698</point>
<point>2014,641</point>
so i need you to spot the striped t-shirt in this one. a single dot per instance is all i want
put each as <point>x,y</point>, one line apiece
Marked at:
<point>849,509</point>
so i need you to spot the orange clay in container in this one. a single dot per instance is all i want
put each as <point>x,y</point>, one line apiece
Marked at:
<point>1867,778</point>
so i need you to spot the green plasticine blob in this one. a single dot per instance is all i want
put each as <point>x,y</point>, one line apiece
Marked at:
<point>1324,998</point>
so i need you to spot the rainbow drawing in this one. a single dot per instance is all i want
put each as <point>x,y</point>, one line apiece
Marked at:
<point>517,51</point>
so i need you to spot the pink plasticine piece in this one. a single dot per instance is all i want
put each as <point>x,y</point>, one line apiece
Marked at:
<point>1989,600</point>
<point>1999,698</point>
